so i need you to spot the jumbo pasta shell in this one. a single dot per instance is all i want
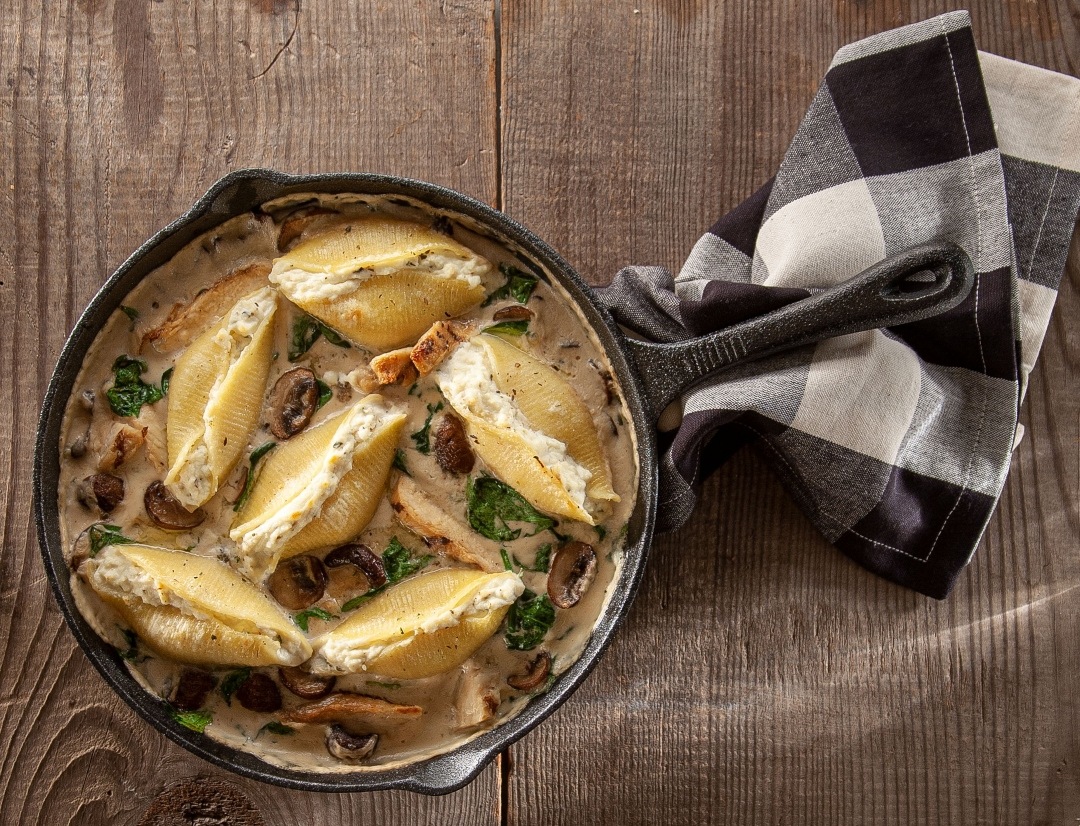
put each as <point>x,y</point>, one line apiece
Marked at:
<point>320,488</point>
<point>425,626</point>
<point>551,405</point>
<point>193,608</point>
<point>381,282</point>
<point>216,396</point>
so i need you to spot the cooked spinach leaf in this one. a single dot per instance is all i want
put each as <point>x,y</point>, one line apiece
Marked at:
<point>325,393</point>
<point>129,392</point>
<point>302,618</point>
<point>491,505</point>
<point>509,328</point>
<point>253,462</point>
<point>101,535</point>
<point>305,332</point>
<point>378,684</point>
<point>399,562</point>
<point>399,461</point>
<point>528,621</point>
<point>507,564</point>
<point>233,680</point>
<point>130,312</point>
<point>274,727</point>
<point>519,286</point>
<point>194,720</point>
<point>542,562</point>
<point>333,336</point>
<point>166,379</point>
<point>132,654</point>
<point>422,437</point>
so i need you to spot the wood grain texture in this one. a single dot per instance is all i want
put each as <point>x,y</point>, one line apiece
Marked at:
<point>117,115</point>
<point>761,676</point>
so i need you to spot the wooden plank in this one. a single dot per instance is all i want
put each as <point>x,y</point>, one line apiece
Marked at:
<point>761,677</point>
<point>116,115</point>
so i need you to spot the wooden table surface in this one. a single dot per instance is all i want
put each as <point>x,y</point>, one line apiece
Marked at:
<point>761,677</point>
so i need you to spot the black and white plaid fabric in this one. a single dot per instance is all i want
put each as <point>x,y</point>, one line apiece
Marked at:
<point>895,442</point>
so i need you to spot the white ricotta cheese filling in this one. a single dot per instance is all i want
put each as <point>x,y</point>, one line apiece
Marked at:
<point>260,546</point>
<point>340,655</point>
<point>302,285</point>
<point>465,379</point>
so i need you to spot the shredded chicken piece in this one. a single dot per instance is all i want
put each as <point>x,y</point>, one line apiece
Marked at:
<point>477,697</point>
<point>395,367</point>
<point>344,706</point>
<point>441,532</point>
<point>153,428</point>
<point>120,445</point>
<point>439,342</point>
<point>186,321</point>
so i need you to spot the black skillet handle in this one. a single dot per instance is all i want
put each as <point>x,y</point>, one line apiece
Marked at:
<point>910,286</point>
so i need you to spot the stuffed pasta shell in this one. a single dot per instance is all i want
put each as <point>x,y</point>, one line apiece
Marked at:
<point>216,396</point>
<point>379,281</point>
<point>425,626</point>
<point>320,488</point>
<point>529,426</point>
<point>194,609</point>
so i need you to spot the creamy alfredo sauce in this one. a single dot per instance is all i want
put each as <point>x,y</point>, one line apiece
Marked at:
<point>557,334</point>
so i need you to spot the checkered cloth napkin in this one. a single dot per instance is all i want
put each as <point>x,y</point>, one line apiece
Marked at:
<point>895,442</point>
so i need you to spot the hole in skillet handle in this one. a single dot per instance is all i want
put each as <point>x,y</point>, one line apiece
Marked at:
<point>933,269</point>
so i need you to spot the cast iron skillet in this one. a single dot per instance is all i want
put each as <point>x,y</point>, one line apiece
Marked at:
<point>914,285</point>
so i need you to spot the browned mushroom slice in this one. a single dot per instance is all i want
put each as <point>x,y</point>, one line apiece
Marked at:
<point>572,572</point>
<point>293,402</point>
<point>298,582</point>
<point>346,706</point>
<point>259,693</point>
<point>305,684</point>
<point>452,450</point>
<point>439,530</point>
<point>532,679</point>
<point>186,321</point>
<point>515,312</point>
<point>192,689</point>
<point>361,557</point>
<point>438,342</point>
<point>120,445</point>
<point>395,367</point>
<point>345,745</point>
<point>102,491</point>
<point>166,512</point>
<point>477,697</point>
<point>80,550</point>
<point>293,226</point>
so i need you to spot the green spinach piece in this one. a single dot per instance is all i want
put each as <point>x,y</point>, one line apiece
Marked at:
<point>274,727</point>
<point>519,286</point>
<point>357,601</point>
<point>101,535</point>
<point>129,392</point>
<point>541,564</point>
<point>389,686</point>
<point>325,393</point>
<point>166,380</point>
<point>305,332</point>
<point>333,336</point>
<point>422,437</point>
<point>491,505</point>
<point>130,312</point>
<point>253,462</point>
<point>233,680</point>
<point>194,720</point>
<point>399,562</point>
<point>528,621</point>
<point>132,654</point>
<point>399,461</point>
<point>509,328</point>
<point>302,618</point>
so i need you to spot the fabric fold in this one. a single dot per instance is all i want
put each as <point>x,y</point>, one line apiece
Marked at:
<point>895,442</point>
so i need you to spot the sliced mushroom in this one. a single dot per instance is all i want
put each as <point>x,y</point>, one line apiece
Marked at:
<point>102,491</point>
<point>192,689</point>
<point>572,572</point>
<point>347,746</point>
<point>166,512</point>
<point>260,693</point>
<point>395,367</point>
<point>186,321</point>
<point>515,312</point>
<point>77,449</point>
<point>86,400</point>
<point>293,402</point>
<point>360,556</point>
<point>438,342</point>
<point>532,679</point>
<point>120,445</point>
<point>610,393</point>
<point>80,550</point>
<point>452,450</point>
<point>305,684</point>
<point>345,706</point>
<point>441,532</point>
<point>298,582</point>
